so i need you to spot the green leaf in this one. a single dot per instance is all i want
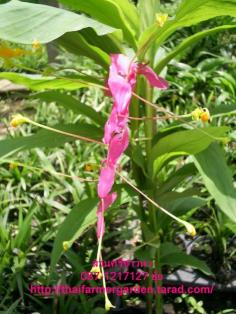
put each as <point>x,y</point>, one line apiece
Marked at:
<point>188,142</point>
<point>192,12</point>
<point>179,205</point>
<point>40,83</point>
<point>217,177</point>
<point>120,14</point>
<point>188,13</point>
<point>176,178</point>
<point>21,239</point>
<point>138,157</point>
<point>188,42</point>
<point>75,224</point>
<point>49,139</point>
<point>12,308</point>
<point>71,103</point>
<point>109,43</point>
<point>147,11</point>
<point>75,43</point>
<point>173,256</point>
<point>41,22</point>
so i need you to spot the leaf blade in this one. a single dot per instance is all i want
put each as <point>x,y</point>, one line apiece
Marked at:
<point>47,22</point>
<point>76,222</point>
<point>217,178</point>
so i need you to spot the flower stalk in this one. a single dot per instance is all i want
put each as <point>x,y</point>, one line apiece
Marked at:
<point>19,119</point>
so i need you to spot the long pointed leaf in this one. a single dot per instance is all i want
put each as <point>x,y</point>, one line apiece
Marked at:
<point>77,221</point>
<point>70,102</point>
<point>188,42</point>
<point>48,139</point>
<point>216,175</point>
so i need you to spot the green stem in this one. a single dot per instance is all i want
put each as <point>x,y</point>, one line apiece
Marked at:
<point>79,137</point>
<point>140,178</point>
<point>150,131</point>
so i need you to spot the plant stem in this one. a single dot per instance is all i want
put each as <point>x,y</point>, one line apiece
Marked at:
<point>83,138</point>
<point>150,131</point>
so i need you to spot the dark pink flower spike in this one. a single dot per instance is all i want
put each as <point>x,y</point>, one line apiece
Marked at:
<point>152,77</point>
<point>103,205</point>
<point>106,180</point>
<point>121,82</point>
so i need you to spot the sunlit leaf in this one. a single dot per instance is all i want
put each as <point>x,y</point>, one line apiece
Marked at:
<point>40,83</point>
<point>187,142</point>
<point>188,42</point>
<point>23,22</point>
<point>120,14</point>
<point>188,13</point>
<point>48,139</point>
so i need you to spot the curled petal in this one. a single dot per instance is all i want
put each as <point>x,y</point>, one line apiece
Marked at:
<point>118,145</point>
<point>152,77</point>
<point>103,205</point>
<point>106,180</point>
<point>121,91</point>
<point>111,126</point>
<point>119,64</point>
<point>106,202</point>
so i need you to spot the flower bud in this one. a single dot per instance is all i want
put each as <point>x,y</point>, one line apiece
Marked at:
<point>36,44</point>
<point>66,245</point>
<point>161,18</point>
<point>108,304</point>
<point>96,269</point>
<point>205,115</point>
<point>196,114</point>
<point>190,228</point>
<point>18,119</point>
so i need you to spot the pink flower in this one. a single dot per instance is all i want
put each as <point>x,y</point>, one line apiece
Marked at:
<point>103,205</point>
<point>121,82</point>
<point>152,77</point>
<point>106,180</point>
<point>118,145</point>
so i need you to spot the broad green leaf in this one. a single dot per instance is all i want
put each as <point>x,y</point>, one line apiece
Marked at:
<point>173,256</point>
<point>188,142</point>
<point>192,12</point>
<point>23,22</point>
<point>179,205</point>
<point>109,43</point>
<point>147,11</point>
<point>188,42</point>
<point>48,139</point>
<point>138,157</point>
<point>217,177</point>
<point>40,83</point>
<point>71,103</point>
<point>120,14</point>
<point>176,178</point>
<point>75,43</point>
<point>74,225</point>
<point>188,13</point>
